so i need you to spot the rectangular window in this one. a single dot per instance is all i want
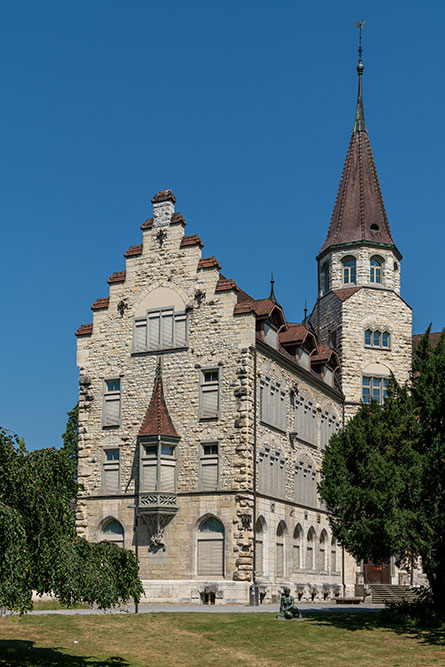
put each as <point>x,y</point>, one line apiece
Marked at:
<point>385,339</point>
<point>111,403</point>
<point>158,468</point>
<point>162,329</point>
<point>272,404</point>
<point>376,338</point>
<point>110,471</point>
<point>209,468</point>
<point>368,337</point>
<point>374,387</point>
<point>271,473</point>
<point>209,394</point>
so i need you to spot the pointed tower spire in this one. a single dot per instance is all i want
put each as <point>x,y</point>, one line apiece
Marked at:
<point>359,213</point>
<point>272,296</point>
<point>157,420</point>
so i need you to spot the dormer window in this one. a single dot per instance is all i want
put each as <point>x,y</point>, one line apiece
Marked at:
<point>349,271</point>
<point>375,270</point>
<point>270,335</point>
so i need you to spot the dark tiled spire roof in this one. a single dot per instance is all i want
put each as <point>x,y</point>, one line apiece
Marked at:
<point>359,212</point>
<point>157,420</point>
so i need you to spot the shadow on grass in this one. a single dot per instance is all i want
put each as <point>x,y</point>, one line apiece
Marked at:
<point>18,653</point>
<point>372,621</point>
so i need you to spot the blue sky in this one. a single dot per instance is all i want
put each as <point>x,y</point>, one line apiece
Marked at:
<point>244,110</point>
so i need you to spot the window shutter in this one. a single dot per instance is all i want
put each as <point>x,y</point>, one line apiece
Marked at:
<point>209,474</point>
<point>153,331</point>
<point>279,565</point>
<point>111,478</point>
<point>209,401</point>
<point>168,476</point>
<point>140,335</point>
<point>166,329</point>
<point>296,556</point>
<point>149,476</point>
<point>112,406</point>
<point>210,558</point>
<point>180,330</point>
<point>259,557</point>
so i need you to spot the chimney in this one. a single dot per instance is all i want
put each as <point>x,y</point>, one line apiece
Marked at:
<point>163,208</point>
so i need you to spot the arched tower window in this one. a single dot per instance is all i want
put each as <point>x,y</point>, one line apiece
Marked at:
<point>322,556</point>
<point>310,559</point>
<point>349,270</point>
<point>259,546</point>
<point>375,270</point>
<point>211,548</point>
<point>279,549</point>
<point>113,531</point>
<point>324,279</point>
<point>297,548</point>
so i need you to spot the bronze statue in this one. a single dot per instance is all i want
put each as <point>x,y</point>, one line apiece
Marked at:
<point>288,609</point>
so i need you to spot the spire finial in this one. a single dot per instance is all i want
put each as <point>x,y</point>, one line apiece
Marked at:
<point>359,125</point>
<point>305,313</point>
<point>272,296</point>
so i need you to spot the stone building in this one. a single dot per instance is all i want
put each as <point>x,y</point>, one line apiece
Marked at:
<point>203,412</point>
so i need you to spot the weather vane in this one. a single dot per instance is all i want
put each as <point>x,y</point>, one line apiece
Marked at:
<point>359,25</point>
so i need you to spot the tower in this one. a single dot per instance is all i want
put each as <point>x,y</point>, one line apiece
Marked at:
<point>359,310</point>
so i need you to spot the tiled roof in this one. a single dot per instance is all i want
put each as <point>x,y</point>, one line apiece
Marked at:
<point>134,251</point>
<point>295,334</point>
<point>147,224</point>
<point>244,307</point>
<point>191,240</point>
<point>164,195</point>
<point>434,339</point>
<point>157,420</point>
<point>359,212</point>
<point>209,263</point>
<point>345,292</point>
<point>101,304</point>
<point>85,330</point>
<point>178,219</point>
<point>324,354</point>
<point>118,277</point>
<point>225,285</point>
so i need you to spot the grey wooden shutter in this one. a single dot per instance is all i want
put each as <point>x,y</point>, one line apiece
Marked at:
<point>209,400</point>
<point>209,474</point>
<point>140,335</point>
<point>210,558</point>
<point>153,331</point>
<point>296,556</point>
<point>166,329</point>
<point>168,476</point>
<point>149,476</point>
<point>270,335</point>
<point>180,330</point>
<point>259,557</point>
<point>279,565</point>
<point>112,404</point>
<point>111,477</point>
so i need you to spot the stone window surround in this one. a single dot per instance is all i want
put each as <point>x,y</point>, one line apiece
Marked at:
<point>160,350</point>
<point>350,271</point>
<point>375,376</point>
<point>203,383</point>
<point>158,442</point>
<point>107,448</point>
<point>105,393</point>
<point>275,390</point>
<point>207,457</point>
<point>103,525</point>
<point>202,519</point>
<point>381,331</point>
<point>373,268</point>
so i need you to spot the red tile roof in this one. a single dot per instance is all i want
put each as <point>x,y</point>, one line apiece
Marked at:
<point>178,219</point>
<point>134,251</point>
<point>434,339</point>
<point>209,263</point>
<point>101,304</point>
<point>147,224</point>
<point>191,240</point>
<point>118,277</point>
<point>295,334</point>
<point>345,292</point>
<point>324,355</point>
<point>85,330</point>
<point>157,420</point>
<point>225,285</point>
<point>244,307</point>
<point>164,195</point>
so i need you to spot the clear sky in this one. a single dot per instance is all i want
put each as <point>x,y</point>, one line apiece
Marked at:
<point>244,109</point>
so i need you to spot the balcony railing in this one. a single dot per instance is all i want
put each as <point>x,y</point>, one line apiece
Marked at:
<point>165,503</point>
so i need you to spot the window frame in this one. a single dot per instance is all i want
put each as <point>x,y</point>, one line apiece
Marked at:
<point>381,333</point>
<point>273,403</point>
<point>106,393</point>
<point>202,384</point>
<point>106,465</point>
<point>160,350</point>
<point>202,536</point>
<point>376,270</point>
<point>209,457</point>
<point>382,379</point>
<point>158,442</point>
<point>349,270</point>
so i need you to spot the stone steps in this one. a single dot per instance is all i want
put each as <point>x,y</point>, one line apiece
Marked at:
<point>381,593</point>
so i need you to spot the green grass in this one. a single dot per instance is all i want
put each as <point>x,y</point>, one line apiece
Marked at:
<point>219,640</point>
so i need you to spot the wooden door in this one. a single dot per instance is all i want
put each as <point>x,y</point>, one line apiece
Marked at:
<point>377,573</point>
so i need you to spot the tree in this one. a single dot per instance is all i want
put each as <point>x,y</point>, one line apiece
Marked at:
<point>39,548</point>
<point>70,438</point>
<point>383,477</point>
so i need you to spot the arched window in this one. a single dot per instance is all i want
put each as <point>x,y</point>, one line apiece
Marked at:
<point>310,559</point>
<point>113,531</point>
<point>324,279</point>
<point>334,567</point>
<point>211,548</point>
<point>279,549</point>
<point>259,546</point>
<point>322,556</point>
<point>375,270</point>
<point>297,548</point>
<point>349,271</point>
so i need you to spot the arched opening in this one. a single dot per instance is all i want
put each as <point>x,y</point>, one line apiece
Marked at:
<point>334,565</point>
<point>297,548</point>
<point>211,548</point>
<point>113,531</point>
<point>375,269</point>
<point>324,278</point>
<point>279,549</point>
<point>322,556</point>
<point>259,546</point>
<point>349,270</point>
<point>310,556</point>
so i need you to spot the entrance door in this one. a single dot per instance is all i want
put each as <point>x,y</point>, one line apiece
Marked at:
<point>377,573</point>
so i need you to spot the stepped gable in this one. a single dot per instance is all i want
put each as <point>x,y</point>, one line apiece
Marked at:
<point>157,420</point>
<point>117,277</point>
<point>359,212</point>
<point>101,304</point>
<point>164,195</point>
<point>225,285</point>
<point>209,263</point>
<point>134,251</point>
<point>192,240</point>
<point>85,330</point>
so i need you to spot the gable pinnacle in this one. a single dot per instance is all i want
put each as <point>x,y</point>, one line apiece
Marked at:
<point>272,296</point>
<point>359,123</point>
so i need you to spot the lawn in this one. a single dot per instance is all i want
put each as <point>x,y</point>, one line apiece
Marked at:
<point>220,640</point>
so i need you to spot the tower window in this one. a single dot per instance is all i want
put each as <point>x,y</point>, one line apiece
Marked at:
<point>374,388</point>
<point>349,271</point>
<point>375,270</point>
<point>374,227</point>
<point>324,279</point>
<point>378,339</point>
